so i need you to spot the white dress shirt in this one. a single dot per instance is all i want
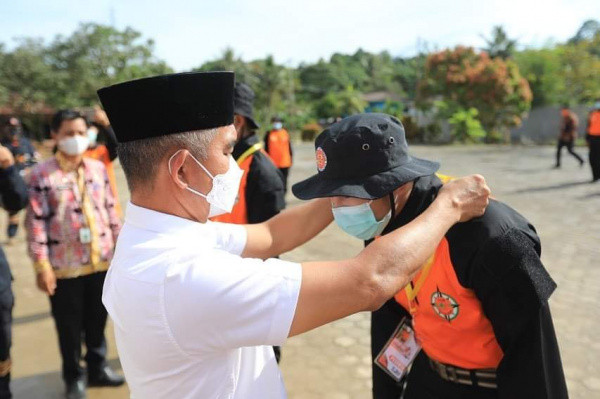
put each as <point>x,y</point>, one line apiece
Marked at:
<point>192,318</point>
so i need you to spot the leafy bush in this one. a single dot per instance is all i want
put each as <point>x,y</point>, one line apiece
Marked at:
<point>465,126</point>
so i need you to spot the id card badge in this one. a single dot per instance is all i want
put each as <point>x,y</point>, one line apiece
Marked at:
<point>85,235</point>
<point>399,352</point>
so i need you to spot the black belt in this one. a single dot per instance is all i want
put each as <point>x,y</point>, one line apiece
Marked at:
<point>485,378</point>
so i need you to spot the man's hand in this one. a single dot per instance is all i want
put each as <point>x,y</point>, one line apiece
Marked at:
<point>6,158</point>
<point>469,196</point>
<point>46,281</point>
<point>100,117</point>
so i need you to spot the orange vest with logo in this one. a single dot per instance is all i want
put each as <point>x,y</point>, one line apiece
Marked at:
<point>448,319</point>
<point>239,213</point>
<point>279,148</point>
<point>594,124</point>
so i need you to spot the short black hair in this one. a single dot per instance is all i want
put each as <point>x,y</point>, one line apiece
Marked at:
<point>65,115</point>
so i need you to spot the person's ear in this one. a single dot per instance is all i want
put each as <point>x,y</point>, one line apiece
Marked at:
<point>176,168</point>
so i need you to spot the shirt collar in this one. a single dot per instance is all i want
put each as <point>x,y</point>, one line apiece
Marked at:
<point>67,166</point>
<point>163,223</point>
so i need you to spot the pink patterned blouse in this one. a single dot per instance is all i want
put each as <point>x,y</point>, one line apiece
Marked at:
<point>58,210</point>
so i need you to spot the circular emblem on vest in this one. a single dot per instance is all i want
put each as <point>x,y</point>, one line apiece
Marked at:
<point>444,305</point>
<point>321,159</point>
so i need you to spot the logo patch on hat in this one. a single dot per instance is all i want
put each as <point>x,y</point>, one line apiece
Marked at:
<point>321,159</point>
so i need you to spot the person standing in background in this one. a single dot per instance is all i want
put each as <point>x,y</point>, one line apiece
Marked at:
<point>106,135</point>
<point>261,194</point>
<point>279,147</point>
<point>568,134</point>
<point>25,156</point>
<point>72,227</point>
<point>593,140</point>
<point>100,152</point>
<point>13,192</point>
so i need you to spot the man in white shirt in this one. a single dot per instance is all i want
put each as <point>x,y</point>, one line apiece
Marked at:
<point>196,306</point>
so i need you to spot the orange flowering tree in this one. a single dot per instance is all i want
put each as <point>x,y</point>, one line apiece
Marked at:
<point>463,79</point>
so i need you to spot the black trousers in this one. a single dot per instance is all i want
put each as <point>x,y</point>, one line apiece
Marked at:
<point>424,383</point>
<point>285,172</point>
<point>79,314</point>
<point>6,306</point>
<point>594,143</point>
<point>570,145</point>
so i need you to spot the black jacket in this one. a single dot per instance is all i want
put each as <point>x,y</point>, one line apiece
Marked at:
<point>498,257</point>
<point>265,194</point>
<point>13,192</point>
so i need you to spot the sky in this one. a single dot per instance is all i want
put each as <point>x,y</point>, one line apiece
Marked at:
<point>188,33</point>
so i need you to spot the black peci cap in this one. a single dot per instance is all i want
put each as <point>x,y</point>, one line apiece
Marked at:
<point>362,156</point>
<point>168,104</point>
<point>243,103</point>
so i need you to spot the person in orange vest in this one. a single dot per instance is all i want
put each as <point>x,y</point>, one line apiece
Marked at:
<point>475,322</point>
<point>568,134</point>
<point>279,147</point>
<point>100,152</point>
<point>261,194</point>
<point>593,140</point>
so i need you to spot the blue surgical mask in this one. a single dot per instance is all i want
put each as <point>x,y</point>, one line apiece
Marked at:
<point>359,221</point>
<point>92,136</point>
<point>277,125</point>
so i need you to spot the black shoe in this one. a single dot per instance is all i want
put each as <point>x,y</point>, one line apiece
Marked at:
<point>105,377</point>
<point>76,389</point>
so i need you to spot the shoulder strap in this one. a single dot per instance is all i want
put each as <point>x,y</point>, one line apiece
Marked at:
<point>249,152</point>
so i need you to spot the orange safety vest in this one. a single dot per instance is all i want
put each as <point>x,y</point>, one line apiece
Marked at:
<point>239,214</point>
<point>594,124</point>
<point>448,319</point>
<point>100,153</point>
<point>279,148</point>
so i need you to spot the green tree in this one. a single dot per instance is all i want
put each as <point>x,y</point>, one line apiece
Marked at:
<point>342,103</point>
<point>500,45</point>
<point>26,80</point>
<point>465,126</point>
<point>586,32</point>
<point>543,70</point>
<point>465,79</point>
<point>97,55</point>
<point>580,68</point>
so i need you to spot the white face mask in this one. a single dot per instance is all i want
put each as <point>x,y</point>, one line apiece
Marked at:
<point>75,145</point>
<point>277,125</point>
<point>224,190</point>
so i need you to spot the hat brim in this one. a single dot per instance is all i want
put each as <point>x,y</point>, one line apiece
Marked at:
<point>251,122</point>
<point>371,187</point>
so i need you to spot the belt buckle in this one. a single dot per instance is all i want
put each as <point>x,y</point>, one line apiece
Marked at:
<point>451,372</point>
<point>442,371</point>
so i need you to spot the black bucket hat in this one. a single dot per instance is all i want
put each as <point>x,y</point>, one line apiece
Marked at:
<point>243,103</point>
<point>362,156</point>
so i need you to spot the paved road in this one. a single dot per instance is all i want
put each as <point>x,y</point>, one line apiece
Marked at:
<point>333,361</point>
